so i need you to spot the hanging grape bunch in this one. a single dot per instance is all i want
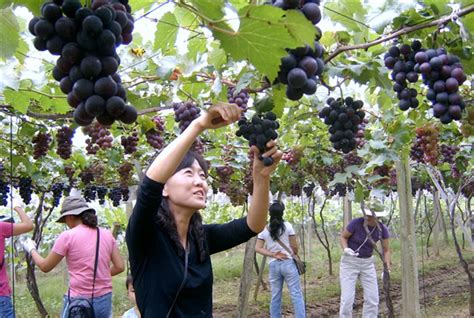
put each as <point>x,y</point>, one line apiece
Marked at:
<point>343,117</point>
<point>259,131</point>
<point>57,190</point>
<point>300,68</point>
<point>401,59</point>
<point>86,40</point>
<point>26,189</point>
<point>240,98</point>
<point>154,136</point>
<point>360,134</point>
<point>64,141</point>
<point>185,113</point>
<point>425,146</point>
<point>130,143</point>
<point>443,74</point>
<point>4,187</point>
<point>41,143</point>
<point>99,138</point>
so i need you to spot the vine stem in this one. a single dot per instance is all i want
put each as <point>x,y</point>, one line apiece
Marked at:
<point>404,30</point>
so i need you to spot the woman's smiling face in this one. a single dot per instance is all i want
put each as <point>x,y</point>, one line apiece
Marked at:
<point>187,187</point>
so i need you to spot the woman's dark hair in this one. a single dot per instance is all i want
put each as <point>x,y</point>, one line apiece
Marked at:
<point>277,224</point>
<point>89,218</point>
<point>128,281</point>
<point>165,219</point>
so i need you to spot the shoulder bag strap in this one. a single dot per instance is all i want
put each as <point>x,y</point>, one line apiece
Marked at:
<point>95,262</point>
<point>284,246</point>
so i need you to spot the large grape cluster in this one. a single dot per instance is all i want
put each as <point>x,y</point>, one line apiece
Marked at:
<point>185,113</point>
<point>425,146</point>
<point>101,193</point>
<point>99,138</point>
<point>224,174</point>
<point>115,194</point>
<point>125,174</point>
<point>85,40</point>
<point>89,192</point>
<point>402,61</point>
<point>26,189</point>
<point>343,117</point>
<point>41,143</point>
<point>441,72</point>
<point>300,68</point>
<point>259,131</point>
<point>130,143</point>
<point>154,136</point>
<point>64,140</point>
<point>240,98</point>
<point>292,156</point>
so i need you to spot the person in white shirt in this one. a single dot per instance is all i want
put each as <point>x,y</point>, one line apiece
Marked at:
<point>278,237</point>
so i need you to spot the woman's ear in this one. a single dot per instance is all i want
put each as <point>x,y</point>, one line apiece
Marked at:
<point>165,191</point>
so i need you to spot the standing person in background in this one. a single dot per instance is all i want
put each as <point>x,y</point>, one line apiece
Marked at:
<point>169,247</point>
<point>358,262</point>
<point>78,245</point>
<point>8,229</point>
<point>281,265</point>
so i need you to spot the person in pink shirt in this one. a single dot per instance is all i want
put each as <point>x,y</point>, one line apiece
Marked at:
<point>8,229</point>
<point>78,245</point>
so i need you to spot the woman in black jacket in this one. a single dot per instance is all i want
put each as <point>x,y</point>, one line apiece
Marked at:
<point>169,248</point>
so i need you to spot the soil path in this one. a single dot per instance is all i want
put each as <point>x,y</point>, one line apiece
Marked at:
<point>439,284</point>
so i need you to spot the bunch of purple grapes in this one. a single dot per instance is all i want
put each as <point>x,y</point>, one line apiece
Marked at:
<point>64,140</point>
<point>308,189</point>
<point>402,61</point>
<point>57,190</point>
<point>130,143</point>
<point>86,40</point>
<point>240,98</point>
<point>185,113</point>
<point>443,74</point>
<point>154,136</point>
<point>115,194</point>
<point>224,174</point>
<point>300,68</point>
<point>89,193</point>
<point>101,193</point>
<point>41,144</point>
<point>259,131</point>
<point>99,138</point>
<point>343,117</point>
<point>4,190</point>
<point>352,159</point>
<point>360,134</point>
<point>448,152</point>
<point>26,189</point>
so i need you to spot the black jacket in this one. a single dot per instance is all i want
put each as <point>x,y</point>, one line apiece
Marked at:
<point>158,270</point>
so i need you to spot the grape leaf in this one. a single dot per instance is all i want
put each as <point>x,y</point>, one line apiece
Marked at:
<point>9,34</point>
<point>255,41</point>
<point>166,32</point>
<point>211,9</point>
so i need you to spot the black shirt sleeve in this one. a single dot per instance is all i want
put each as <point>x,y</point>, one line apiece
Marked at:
<point>221,237</point>
<point>141,223</point>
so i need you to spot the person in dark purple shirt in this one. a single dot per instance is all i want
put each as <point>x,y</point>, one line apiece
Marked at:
<point>357,260</point>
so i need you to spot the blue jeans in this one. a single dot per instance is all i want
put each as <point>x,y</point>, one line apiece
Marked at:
<point>102,306</point>
<point>285,271</point>
<point>6,307</point>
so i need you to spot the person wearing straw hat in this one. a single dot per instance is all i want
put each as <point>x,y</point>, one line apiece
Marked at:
<point>357,260</point>
<point>279,237</point>
<point>8,229</point>
<point>89,252</point>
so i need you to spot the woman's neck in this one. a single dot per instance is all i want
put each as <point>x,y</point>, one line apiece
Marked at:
<point>182,221</point>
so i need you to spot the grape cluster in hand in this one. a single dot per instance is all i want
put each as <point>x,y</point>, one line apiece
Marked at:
<point>86,40</point>
<point>259,131</point>
<point>300,68</point>
<point>240,98</point>
<point>185,113</point>
<point>343,117</point>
